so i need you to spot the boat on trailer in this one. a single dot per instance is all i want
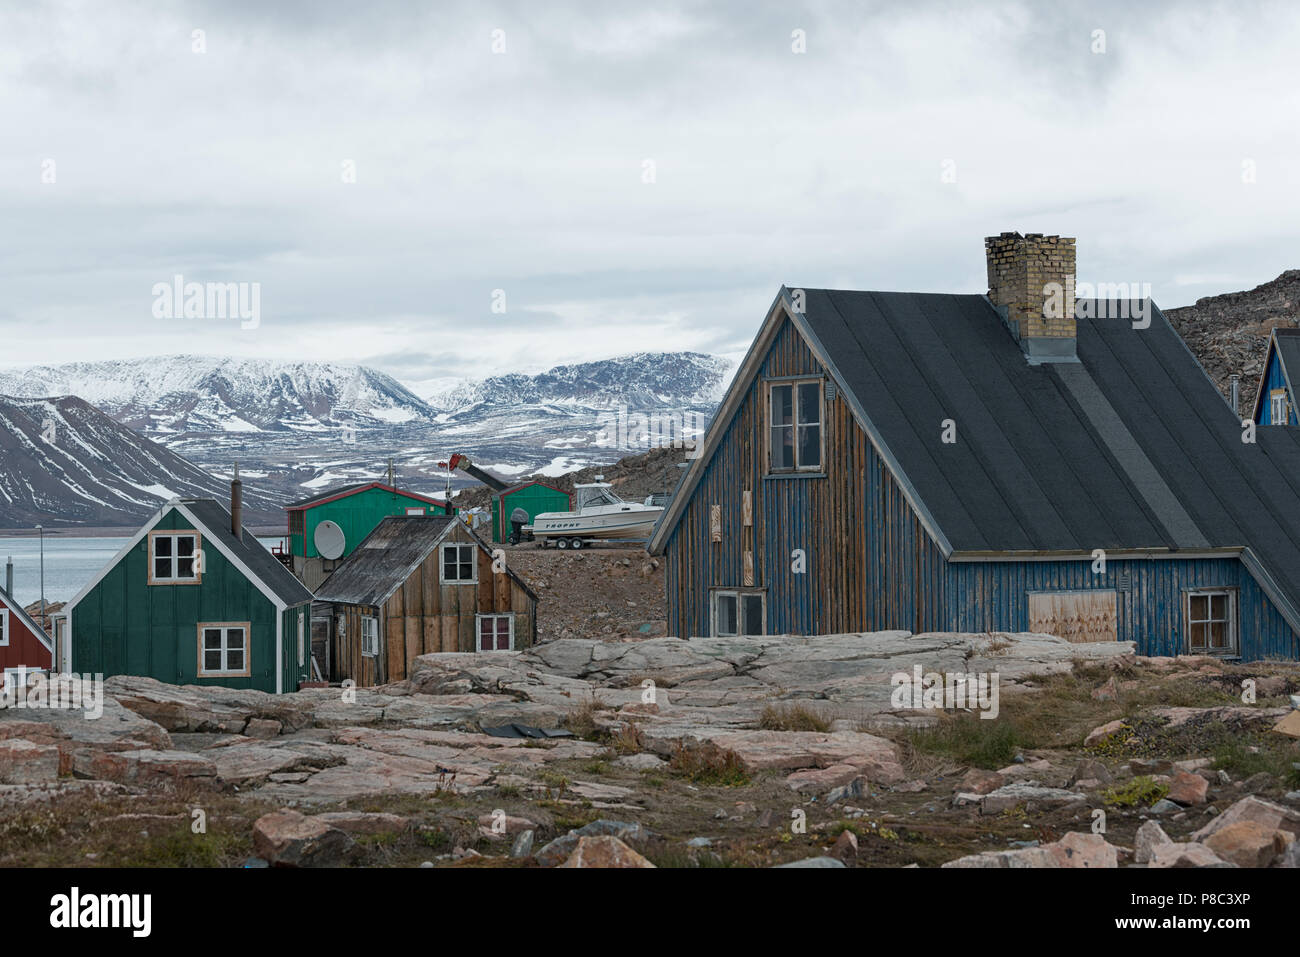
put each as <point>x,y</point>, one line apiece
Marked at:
<point>598,514</point>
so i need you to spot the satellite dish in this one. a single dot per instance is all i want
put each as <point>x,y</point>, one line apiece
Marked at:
<point>329,540</point>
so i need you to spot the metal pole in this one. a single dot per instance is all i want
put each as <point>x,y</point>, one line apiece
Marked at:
<point>41,530</point>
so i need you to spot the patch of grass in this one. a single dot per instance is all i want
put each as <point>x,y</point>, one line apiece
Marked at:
<point>554,781</point>
<point>435,838</point>
<point>709,765</point>
<point>793,717</point>
<point>626,740</point>
<point>968,739</point>
<point>596,767</point>
<point>1142,791</point>
<point>1240,761</point>
<point>582,719</point>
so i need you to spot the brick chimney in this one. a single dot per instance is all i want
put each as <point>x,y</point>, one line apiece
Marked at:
<point>1031,281</point>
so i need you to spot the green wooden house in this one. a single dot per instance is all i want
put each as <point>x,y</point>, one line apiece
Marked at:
<point>533,497</point>
<point>327,527</point>
<point>194,598</point>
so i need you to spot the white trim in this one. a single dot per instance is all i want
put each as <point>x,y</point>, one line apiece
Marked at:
<point>4,627</point>
<point>369,618</point>
<point>738,594</point>
<point>225,627</point>
<point>478,636</point>
<point>279,652</point>
<point>8,604</point>
<point>1231,620</point>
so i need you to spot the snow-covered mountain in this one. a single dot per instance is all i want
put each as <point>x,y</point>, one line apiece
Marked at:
<point>177,394</point>
<point>64,462</point>
<point>642,380</point>
<point>295,428</point>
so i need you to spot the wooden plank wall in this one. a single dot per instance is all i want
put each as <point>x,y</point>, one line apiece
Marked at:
<point>869,563</point>
<point>425,616</point>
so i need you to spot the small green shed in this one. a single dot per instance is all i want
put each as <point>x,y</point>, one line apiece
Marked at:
<point>193,598</point>
<point>327,527</point>
<point>533,497</point>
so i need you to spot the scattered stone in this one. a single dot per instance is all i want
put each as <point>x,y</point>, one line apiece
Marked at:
<point>1164,806</point>
<point>365,822</point>
<point>1249,843</point>
<point>604,851</point>
<point>494,826</point>
<point>700,842</point>
<point>645,761</point>
<point>1184,855</point>
<point>1149,835</point>
<point>1074,850</point>
<point>523,844</point>
<point>1011,795</point>
<point>291,839</point>
<point>262,728</point>
<point>980,781</point>
<point>1275,817</point>
<point>814,862</point>
<point>1188,789</point>
<point>22,762</point>
<point>1091,770</point>
<point>1108,691</point>
<point>846,846</point>
<point>1105,732</point>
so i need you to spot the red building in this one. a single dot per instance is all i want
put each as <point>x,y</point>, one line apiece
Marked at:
<point>23,643</point>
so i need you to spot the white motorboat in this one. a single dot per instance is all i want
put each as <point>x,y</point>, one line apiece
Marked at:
<point>599,514</point>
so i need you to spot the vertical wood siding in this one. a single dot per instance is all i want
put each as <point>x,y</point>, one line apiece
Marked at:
<point>871,565</point>
<point>424,616</point>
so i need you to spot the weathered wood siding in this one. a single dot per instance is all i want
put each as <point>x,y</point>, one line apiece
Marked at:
<point>870,564</point>
<point>424,616</point>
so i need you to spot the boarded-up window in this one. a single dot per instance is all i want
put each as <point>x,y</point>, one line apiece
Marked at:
<point>1076,616</point>
<point>715,523</point>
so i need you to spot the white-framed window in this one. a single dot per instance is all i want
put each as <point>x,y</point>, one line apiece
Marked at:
<point>495,633</point>
<point>795,426</point>
<point>1278,413</point>
<point>415,510</point>
<point>4,627</point>
<point>223,649</point>
<point>739,612</point>
<point>302,638</point>
<point>459,565</point>
<point>370,636</point>
<point>175,558</point>
<point>1212,621</point>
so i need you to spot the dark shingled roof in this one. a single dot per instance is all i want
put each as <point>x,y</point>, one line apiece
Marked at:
<point>215,519</point>
<point>388,556</point>
<point>1131,447</point>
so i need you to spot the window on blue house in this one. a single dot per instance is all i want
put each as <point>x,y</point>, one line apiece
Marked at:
<point>1212,622</point>
<point>738,613</point>
<point>795,426</point>
<point>1278,413</point>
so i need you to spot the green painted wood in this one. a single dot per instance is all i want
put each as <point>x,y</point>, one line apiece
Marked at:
<point>127,626</point>
<point>357,515</point>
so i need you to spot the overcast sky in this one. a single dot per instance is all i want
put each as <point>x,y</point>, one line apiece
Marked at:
<point>525,170</point>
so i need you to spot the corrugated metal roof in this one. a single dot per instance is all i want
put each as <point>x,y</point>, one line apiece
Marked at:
<point>387,557</point>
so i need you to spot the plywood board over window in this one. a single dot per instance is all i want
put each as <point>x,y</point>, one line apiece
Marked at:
<point>1076,616</point>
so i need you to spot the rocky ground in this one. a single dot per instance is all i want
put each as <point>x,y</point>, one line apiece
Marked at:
<point>713,752</point>
<point>1229,333</point>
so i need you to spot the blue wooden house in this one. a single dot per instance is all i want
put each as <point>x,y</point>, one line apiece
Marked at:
<point>1011,462</point>
<point>1275,403</point>
<point>193,598</point>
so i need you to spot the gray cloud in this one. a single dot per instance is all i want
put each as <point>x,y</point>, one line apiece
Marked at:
<point>523,171</point>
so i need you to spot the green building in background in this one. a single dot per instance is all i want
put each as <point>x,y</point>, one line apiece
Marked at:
<point>327,527</point>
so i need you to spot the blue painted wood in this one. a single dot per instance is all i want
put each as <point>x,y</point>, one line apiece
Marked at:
<point>872,566</point>
<point>1274,379</point>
